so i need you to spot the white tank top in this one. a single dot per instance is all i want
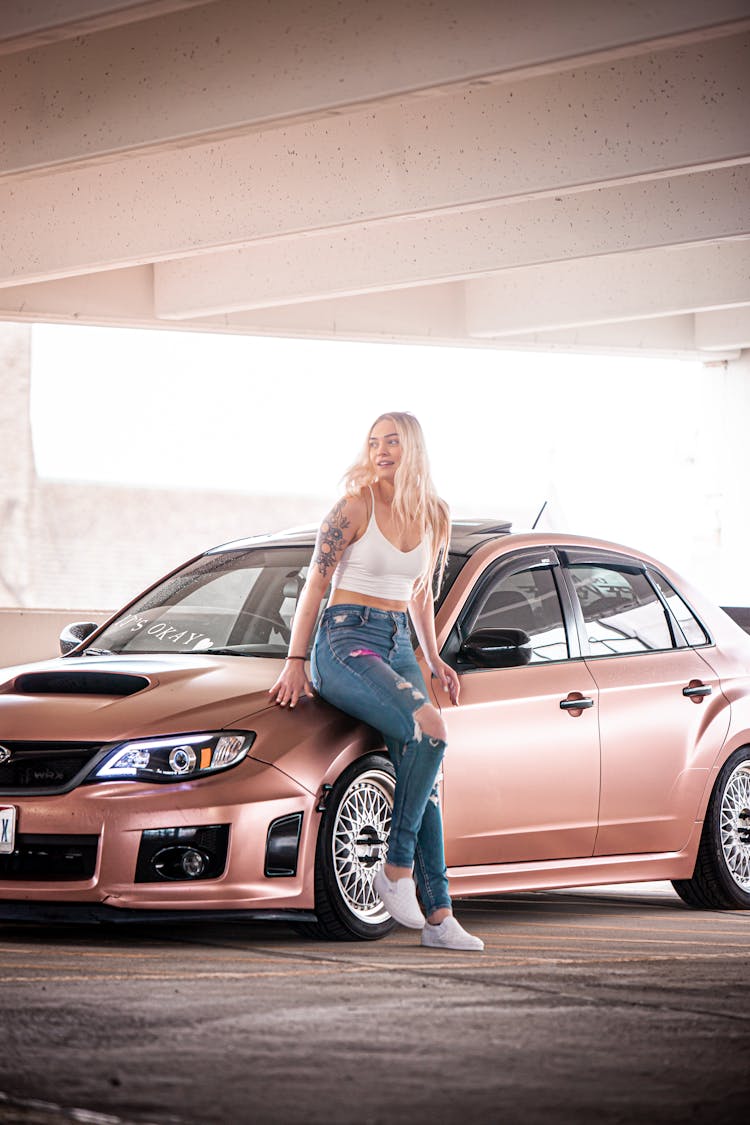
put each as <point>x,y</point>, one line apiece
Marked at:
<point>372,565</point>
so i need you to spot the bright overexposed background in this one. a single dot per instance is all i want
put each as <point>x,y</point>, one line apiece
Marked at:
<point>615,446</point>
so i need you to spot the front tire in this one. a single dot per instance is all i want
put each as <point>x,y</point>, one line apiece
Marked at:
<point>352,843</point>
<point>721,879</point>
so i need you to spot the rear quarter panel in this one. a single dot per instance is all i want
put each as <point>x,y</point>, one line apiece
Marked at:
<point>728,656</point>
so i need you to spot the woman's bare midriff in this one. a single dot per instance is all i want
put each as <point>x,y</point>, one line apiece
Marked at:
<point>350,597</point>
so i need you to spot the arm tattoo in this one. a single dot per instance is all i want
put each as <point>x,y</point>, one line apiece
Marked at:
<point>330,538</point>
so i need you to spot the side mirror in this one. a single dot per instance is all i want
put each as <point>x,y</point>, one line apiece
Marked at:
<point>497,648</point>
<point>72,635</point>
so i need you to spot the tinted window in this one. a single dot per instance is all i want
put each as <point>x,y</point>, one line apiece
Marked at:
<point>689,625</point>
<point>526,600</point>
<point>621,610</point>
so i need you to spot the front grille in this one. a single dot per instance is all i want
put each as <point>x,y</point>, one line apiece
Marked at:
<point>55,858</point>
<point>44,767</point>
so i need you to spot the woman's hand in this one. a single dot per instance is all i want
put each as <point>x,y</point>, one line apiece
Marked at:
<point>291,685</point>
<point>448,679</point>
<point>422,613</point>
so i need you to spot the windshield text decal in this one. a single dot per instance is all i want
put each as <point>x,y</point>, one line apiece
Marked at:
<point>163,631</point>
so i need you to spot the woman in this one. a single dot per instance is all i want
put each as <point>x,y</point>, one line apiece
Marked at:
<point>379,547</point>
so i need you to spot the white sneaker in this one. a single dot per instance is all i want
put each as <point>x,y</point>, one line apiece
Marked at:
<point>449,935</point>
<point>399,899</point>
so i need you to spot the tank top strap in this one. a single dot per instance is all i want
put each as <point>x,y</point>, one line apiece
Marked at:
<point>372,509</point>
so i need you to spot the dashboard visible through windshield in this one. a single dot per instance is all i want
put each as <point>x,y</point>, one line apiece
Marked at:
<point>239,602</point>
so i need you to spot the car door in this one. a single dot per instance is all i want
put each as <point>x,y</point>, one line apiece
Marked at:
<point>659,701</point>
<point>521,773</point>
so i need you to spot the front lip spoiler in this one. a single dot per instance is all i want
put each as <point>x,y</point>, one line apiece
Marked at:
<point>84,913</point>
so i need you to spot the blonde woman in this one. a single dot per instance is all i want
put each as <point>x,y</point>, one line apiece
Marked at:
<point>379,548</point>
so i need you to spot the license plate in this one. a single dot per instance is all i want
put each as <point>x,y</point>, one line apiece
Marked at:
<point>7,829</point>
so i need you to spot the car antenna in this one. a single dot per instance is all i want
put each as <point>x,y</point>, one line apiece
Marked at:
<point>539,516</point>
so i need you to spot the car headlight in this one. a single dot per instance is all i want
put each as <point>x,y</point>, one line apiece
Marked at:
<point>178,758</point>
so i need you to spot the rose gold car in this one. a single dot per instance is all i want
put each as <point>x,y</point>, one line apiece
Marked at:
<point>603,736</point>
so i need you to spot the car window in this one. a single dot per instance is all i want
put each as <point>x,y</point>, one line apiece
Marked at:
<point>690,627</point>
<point>240,601</point>
<point>528,600</point>
<point>621,611</point>
<point>227,589</point>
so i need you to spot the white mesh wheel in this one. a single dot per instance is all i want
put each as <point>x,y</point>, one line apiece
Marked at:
<point>734,825</point>
<point>358,842</point>
<point>721,876</point>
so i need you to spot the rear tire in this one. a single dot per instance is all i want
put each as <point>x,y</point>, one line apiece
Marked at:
<point>721,879</point>
<point>352,842</point>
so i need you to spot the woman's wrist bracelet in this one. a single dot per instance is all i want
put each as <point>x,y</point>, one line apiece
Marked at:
<point>296,658</point>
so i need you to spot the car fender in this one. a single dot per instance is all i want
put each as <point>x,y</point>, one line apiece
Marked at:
<point>313,743</point>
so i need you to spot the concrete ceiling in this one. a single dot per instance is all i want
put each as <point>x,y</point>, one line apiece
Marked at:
<point>569,174</point>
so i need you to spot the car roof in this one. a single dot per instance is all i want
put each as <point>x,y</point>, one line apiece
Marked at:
<point>467,536</point>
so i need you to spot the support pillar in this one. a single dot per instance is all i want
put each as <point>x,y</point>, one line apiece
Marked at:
<point>17,471</point>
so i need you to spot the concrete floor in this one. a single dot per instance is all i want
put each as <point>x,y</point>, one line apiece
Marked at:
<point>612,1005</point>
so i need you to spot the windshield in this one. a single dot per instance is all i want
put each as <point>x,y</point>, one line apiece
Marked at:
<point>239,601</point>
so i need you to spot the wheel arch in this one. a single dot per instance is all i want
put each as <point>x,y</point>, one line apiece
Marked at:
<point>739,740</point>
<point>357,747</point>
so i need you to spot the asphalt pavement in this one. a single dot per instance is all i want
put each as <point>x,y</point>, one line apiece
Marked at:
<point>605,1005</point>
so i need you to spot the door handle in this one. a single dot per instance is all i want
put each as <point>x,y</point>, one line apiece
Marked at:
<point>577,703</point>
<point>696,690</point>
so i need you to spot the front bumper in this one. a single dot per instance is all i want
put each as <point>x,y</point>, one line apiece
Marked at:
<point>83,913</point>
<point>116,814</point>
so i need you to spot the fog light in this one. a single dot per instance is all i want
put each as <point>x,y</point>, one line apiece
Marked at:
<point>187,853</point>
<point>192,863</point>
<point>180,863</point>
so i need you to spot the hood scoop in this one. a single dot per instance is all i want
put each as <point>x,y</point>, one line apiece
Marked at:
<point>77,683</point>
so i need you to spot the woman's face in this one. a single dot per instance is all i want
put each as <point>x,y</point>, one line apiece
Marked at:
<point>385,449</point>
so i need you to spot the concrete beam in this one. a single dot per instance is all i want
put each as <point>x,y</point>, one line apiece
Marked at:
<point>433,315</point>
<point>705,206</point>
<point>228,67</point>
<point>436,315</point>
<point>27,24</point>
<point>619,287</point>
<point>675,111</point>
<point>723,329</point>
<point>671,337</point>
<point>123,297</point>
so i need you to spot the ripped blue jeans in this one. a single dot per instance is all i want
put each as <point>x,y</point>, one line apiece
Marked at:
<point>364,664</point>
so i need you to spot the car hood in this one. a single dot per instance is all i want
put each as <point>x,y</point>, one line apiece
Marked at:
<point>108,698</point>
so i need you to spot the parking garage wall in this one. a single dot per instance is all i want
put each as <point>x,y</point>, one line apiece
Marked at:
<point>71,544</point>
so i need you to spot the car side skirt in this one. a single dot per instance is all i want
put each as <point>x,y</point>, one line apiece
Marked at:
<point>589,871</point>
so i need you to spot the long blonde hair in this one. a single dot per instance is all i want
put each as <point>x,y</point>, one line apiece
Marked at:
<point>415,499</point>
